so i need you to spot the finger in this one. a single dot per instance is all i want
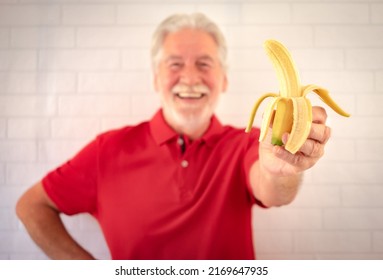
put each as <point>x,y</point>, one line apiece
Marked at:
<point>320,133</point>
<point>319,115</point>
<point>312,149</point>
<point>293,159</point>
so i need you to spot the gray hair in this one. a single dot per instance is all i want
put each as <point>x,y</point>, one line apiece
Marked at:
<point>178,22</point>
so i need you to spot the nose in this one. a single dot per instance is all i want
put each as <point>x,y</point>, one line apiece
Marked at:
<point>190,75</point>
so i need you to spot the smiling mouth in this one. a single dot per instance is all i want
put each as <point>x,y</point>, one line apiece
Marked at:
<point>190,95</point>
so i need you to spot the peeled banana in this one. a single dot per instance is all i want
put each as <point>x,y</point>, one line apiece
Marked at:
<point>293,111</point>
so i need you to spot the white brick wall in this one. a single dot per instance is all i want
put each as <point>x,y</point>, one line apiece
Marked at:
<point>72,64</point>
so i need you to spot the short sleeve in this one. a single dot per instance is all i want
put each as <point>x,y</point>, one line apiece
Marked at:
<point>73,185</point>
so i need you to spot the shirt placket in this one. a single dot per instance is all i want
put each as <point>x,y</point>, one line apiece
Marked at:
<point>184,167</point>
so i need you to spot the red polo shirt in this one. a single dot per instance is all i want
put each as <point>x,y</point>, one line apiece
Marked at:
<point>159,197</point>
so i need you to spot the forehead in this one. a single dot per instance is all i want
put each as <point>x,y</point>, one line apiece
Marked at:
<point>190,42</point>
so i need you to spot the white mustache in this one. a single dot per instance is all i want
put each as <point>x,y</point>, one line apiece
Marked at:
<point>198,88</point>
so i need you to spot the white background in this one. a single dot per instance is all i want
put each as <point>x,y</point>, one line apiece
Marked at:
<point>72,69</point>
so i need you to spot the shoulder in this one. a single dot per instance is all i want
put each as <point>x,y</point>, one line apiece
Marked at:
<point>124,134</point>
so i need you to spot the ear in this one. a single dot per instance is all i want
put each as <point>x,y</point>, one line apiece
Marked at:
<point>225,83</point>
<point>155,81</point>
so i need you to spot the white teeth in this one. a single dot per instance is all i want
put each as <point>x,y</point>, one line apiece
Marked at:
<point>190,95</point>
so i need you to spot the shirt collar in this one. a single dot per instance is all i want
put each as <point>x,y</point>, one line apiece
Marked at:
<point>162,132</point>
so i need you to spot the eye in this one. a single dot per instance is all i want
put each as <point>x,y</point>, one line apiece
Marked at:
<point>204,65</point>
<point>175,66</point>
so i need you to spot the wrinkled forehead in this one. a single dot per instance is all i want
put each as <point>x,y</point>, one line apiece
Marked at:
<point>189,42</point>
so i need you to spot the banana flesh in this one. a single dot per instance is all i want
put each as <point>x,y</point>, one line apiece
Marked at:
<point>293,111</point>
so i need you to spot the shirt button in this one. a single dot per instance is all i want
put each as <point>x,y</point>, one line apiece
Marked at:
<point>180,141</point>
<point>184,163</point>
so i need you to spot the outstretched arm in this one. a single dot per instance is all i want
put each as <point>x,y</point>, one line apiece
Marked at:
<point>276,176</point>
<point>41,218</point>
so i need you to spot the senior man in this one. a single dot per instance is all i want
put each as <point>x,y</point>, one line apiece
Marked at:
<point>180,185</point>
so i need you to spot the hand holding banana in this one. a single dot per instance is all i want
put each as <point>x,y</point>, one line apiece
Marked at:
<point>294,114</point>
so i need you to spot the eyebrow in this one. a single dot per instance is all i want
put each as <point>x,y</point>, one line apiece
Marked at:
<point>177,57</point>
<point>205,57</point>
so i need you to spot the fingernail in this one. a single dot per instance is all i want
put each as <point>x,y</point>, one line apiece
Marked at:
<point>285,136</point>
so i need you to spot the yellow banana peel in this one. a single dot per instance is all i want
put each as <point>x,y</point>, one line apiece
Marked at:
<point>293,111</point>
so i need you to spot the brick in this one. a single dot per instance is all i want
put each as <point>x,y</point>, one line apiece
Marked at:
<point>274,13</point>
<point>79,60</point>
<point>2,173</point>
<point>149,13</point>
<point>119,122</point>
<point>88,14</point>
<point>8,219</point>
<point>26,174</point>
<point>377,241</point>
<point>221,14</point>
<point>9,197</point>
<point>94,106</point>
<point>284,256</point>
<point>3,127</point>
<point>231,105</point>
<point>341,81</point>
<point>107,83</point>
<point>345,128</point>
<point>318,59</point>
<point>350,256</point>
<point>369,149</point>
<point>16,15</point>
<point>248,59</point>
<point>254,36</point>
<point>18,83</point>
<point>369,104</point>
<point>17,242</point>
<point>92,37</point>
<point>273,242</point>
<point>306,59</point>
<point>53,83</point>
<point>349,36</point>
<point>37,255</point>
<point>43,37</point>
<point>353,219</point>
<point>4,37</point>
<point>93,240</point>
<point>364,59</point>
<point>59,151</point>
<point>28,128</point>
<point>255,82</point>
<point>318,197</point>
<point>379,81</point>
<point>18,60</point>
<point>136,59</point>
<point>27,106</point>
<point>376,13</point>
<point>362,196</point>
<point>74,128</point>
<point>340,150</point>
<point>345,172</point>
<point>18,151</point>
<point>145,105</point>
<point>330,13</point>
<point>33,82</point>
<point>288,218</point>
<point>332,241</point>
<point>88,223</point>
